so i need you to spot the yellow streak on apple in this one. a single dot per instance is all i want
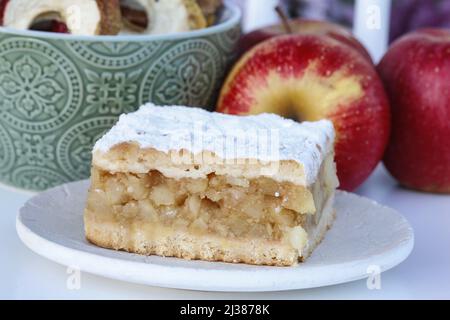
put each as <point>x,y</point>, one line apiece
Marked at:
<point>310,97</point>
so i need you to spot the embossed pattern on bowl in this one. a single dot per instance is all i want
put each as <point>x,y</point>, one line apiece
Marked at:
<point>60,93</point>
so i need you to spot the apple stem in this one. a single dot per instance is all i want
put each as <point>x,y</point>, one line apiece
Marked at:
<point>284,19</point>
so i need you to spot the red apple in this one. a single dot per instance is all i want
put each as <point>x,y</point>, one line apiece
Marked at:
<point>416,73</point>
<point>312,77</point>
<point>301,26</point>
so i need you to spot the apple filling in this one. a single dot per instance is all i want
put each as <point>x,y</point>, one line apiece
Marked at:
<point>221,206</point>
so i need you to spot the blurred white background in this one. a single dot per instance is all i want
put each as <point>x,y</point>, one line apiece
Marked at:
<point>370,21</point>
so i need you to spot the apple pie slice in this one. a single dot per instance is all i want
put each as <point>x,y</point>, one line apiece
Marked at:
<point>184,182</point>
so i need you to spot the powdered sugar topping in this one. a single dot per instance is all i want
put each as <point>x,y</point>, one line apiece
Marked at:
<point>266,137</point>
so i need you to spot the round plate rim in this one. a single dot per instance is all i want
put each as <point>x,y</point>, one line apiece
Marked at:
<point>170,276</point>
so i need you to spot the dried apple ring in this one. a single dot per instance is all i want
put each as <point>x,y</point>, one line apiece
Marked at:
<point>81,17</point>
<point>161,17</point>
<point>134,15</point>
<point>210,9</point>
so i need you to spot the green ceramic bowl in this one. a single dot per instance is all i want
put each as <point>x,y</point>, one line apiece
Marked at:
<point>60,93</point>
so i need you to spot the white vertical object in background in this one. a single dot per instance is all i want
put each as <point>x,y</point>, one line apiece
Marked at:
<point>371,25</point>
<point>259,13</point>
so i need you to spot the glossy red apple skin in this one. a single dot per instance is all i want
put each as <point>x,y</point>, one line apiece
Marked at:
<point>362,124</point>
<point>303,26</point>
<point>416,73</point>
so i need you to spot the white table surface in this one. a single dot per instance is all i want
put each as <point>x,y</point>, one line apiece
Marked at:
<point>424,275</point>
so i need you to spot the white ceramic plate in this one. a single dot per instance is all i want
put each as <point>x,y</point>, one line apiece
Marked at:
<point>364,237</point>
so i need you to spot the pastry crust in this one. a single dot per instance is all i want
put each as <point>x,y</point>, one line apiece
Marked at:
<point>192,142</point>
<point>187,246</point>
<point>153,191</point>
<point>129,157</point>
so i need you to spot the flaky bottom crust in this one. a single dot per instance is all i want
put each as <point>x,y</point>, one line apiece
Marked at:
<point>135,238</point>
